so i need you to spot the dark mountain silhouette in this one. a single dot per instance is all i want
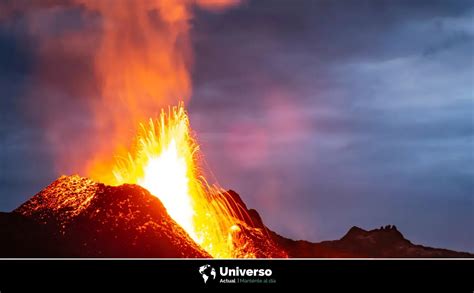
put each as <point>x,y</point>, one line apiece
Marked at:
<point>359,243</point>
<point>76,217</point>
<point>23,237</point>
<point>386,242</point>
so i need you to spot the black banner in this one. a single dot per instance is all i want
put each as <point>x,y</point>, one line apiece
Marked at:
<point>153,275</point>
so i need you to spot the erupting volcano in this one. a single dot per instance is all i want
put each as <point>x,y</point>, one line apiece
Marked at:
<point>165,161</point>
<point>142,64</point>
<point>77,217</point>
<point>160,205</point>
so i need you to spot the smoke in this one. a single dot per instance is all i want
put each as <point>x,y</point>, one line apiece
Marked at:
<point>103,67</point>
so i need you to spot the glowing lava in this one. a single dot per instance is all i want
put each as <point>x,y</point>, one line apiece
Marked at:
<point>164,161</point>
<point>165,176</point>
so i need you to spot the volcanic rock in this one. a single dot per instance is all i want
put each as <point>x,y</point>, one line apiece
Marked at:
<point>386,242</point>
<point>80,218</point>
<point>359,243</point>
<point>250,237</point>
<point>23,237</point>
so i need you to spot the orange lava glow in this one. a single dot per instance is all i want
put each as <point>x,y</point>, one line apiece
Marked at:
<point>164,160</point>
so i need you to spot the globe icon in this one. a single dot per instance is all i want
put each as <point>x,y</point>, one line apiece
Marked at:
<point>206,272</point>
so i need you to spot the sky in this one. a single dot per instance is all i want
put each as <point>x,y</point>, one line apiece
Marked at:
<point>322,115</point>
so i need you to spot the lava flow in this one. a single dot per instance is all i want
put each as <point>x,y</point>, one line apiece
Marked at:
<point>164,160</point>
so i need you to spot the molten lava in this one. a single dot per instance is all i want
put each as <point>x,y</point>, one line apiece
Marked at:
<point>164,160</point>
<point>166,176</point>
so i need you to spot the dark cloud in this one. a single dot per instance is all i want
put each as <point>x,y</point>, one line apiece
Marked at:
<point>383,130</point>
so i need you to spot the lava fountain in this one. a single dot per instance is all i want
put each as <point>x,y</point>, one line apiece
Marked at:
<point>142,64</point>
<point>165,160</point>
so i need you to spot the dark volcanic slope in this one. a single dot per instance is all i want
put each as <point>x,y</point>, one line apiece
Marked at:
<point>77,217</point>
<point>23,237</point>
<point>386,242</point>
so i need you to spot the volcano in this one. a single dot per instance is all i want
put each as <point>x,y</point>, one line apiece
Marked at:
<point>77,217</point>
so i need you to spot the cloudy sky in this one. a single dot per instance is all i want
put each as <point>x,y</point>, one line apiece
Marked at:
<point>321,114</point>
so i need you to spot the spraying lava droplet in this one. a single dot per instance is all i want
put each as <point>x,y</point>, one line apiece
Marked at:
<point>164,160</point>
